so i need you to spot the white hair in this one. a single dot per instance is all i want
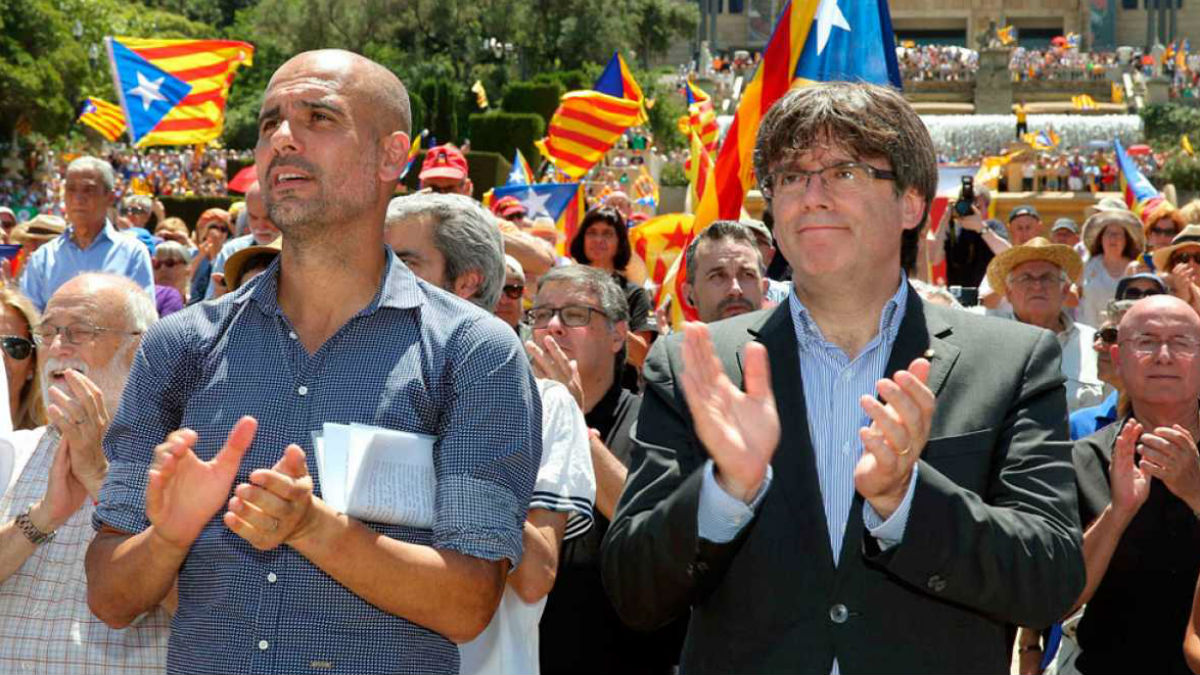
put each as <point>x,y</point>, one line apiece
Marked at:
<point>89,163</point>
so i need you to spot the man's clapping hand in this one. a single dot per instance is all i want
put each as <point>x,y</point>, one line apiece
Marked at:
<point>739,429</point>
<point>273,508</point>
<point>896,437</point>
<point>184,492</point>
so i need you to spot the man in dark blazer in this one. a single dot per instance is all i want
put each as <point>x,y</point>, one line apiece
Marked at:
<point>811,525</point>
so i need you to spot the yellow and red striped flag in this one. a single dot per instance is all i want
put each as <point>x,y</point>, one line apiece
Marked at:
<point>206,67</point>
<point>588,122</point>
<point>702,117</point>
<point>103,116</point>
<point>585,126</point>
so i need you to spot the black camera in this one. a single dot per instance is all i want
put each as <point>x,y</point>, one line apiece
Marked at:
<point>966,198</point>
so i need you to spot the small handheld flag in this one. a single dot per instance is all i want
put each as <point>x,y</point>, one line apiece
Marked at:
<point>103,116</point>
<point>521,174</point>
<point>413,151</point>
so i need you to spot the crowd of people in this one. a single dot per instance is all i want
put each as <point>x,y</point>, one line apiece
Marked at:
<point>35,177</point>
<point>1060,63</point>
<point>842,468</point>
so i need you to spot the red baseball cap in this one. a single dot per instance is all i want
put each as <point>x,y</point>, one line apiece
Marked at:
<point>444,161</point>
<point>508,207</point>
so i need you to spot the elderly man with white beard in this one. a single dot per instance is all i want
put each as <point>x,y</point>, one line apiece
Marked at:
<point>86,342</point>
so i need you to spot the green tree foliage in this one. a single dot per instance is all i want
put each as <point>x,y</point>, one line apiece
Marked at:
<point>659,22</point>
<point>52,56</point>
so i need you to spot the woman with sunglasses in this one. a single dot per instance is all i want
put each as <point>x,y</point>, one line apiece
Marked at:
<point>170,262</point>
<point>20,359</point>
<point>212,231</point>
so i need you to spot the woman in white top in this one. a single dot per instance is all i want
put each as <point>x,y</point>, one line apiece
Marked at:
<point>1113,240</point>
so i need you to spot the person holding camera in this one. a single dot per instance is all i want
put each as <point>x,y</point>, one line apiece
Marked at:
<point>966,239</point>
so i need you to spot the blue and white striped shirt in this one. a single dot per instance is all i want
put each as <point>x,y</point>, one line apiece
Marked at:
<point>833,383</point>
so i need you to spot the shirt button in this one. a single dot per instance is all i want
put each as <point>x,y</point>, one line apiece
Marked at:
<point>271,578</point>
<point>936,583</point>
<point>292,334</point>
<point>263,644</point>
<point>838,613</point>
<point>302,390</point>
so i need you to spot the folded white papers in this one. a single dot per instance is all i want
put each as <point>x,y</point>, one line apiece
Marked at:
<point>377,475</point>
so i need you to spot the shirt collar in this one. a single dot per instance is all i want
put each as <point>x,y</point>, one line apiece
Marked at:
<point>107,232</point>
<point>808,333</point>
<point>399,288</point>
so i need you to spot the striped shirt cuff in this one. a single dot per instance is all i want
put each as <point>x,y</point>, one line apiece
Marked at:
<point>891,531</point>
<point>721,516</point>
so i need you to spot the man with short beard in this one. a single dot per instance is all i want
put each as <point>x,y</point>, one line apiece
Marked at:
<point>87,341</point>
<point>337,329</point>
<point>724,272</point>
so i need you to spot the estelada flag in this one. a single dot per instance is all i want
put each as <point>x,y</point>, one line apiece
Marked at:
<point>103,116</point>
<point>848,41</point>
<point>173,92</point>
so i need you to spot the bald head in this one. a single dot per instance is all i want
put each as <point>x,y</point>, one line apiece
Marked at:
<point>1160,309</point>
<point>1158,354</point>
<point>357,77</point>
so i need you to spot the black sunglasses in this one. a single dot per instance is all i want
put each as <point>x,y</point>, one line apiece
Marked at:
<point>1138,293</point>
<point>1185,258</point>
<point>514,291</point>
<point>1108,335</point>
<point>17,348</point>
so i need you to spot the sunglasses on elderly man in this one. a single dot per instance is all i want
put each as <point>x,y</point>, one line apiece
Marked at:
<point>17,348</point>
<point>1107,335</point>
<point>514,291</point>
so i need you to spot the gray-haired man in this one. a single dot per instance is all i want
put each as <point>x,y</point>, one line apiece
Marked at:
<point>450,241</point>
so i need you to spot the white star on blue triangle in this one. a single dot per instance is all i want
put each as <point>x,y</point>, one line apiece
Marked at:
<point>850,42</point>
<point>540,199</point>
<point>148,92</point>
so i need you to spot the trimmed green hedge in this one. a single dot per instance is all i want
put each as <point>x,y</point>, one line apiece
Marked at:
<point>533,97</point>
<point>440,99</point>
<point>503,132</point>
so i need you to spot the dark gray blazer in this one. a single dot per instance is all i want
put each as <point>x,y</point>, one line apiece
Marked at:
<point>993,535</point>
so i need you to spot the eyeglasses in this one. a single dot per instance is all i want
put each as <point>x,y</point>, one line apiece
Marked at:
<point>514,291</point>
<point>846,179</point>
<point>17,348</point>
<point>1138,293</point>
<point>76,333</point>
<point>1166,232</point>
<point>1147,345</point>
<point>168,263</point>
<point>1107,335</point>
<point>1029,281</point>
<point>1185,258</point>
<point>573,316</point>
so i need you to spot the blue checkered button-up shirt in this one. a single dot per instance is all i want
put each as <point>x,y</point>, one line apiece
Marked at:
<point>416,359</point>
